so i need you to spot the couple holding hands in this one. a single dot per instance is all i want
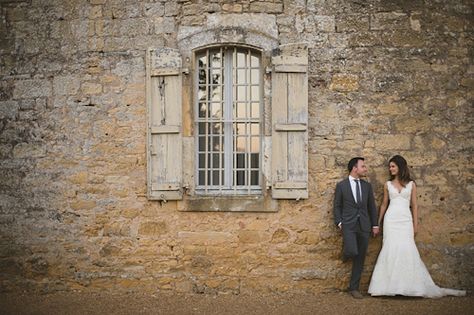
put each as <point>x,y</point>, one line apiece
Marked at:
<point>399,269</point>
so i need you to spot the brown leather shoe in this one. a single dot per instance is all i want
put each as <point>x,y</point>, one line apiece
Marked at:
<point>356,294</point>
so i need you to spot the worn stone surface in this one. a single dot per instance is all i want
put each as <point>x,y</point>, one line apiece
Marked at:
<point>385,78</point>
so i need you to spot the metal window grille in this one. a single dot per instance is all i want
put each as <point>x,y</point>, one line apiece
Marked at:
<point>228,120</point>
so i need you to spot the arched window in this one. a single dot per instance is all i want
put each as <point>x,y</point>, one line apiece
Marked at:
<point>228,120</point>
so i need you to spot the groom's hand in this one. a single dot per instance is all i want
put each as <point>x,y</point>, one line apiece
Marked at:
<point>375,231</point>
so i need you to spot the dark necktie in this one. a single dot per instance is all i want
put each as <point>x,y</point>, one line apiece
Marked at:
<point>358,200</point>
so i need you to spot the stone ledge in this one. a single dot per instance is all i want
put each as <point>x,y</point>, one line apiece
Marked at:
<point>230,204</point>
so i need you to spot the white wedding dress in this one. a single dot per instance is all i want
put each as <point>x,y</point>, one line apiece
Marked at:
<point>399,269</point>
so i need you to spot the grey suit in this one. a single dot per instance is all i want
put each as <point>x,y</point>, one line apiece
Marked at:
<point>357,221</point>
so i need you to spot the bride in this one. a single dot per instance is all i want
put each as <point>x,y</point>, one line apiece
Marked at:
<point>399,269</point>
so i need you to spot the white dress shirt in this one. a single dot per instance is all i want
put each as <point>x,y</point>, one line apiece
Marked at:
<point>352,180</point>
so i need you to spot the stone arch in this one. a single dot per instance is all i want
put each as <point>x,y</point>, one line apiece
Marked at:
<point>255,30</point>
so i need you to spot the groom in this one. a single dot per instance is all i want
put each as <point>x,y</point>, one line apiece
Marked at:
<point>356,216</point>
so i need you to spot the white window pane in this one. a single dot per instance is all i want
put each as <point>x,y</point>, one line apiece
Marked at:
<point>202,160</point>
<point>255,144</point>
<point>202,128</point>
<point>241,144</point>
<point>216,77</point>
<point>216,143</point>
<point>215,178</point>
<point>240,129</point>
<point>255,89</point>
<point>202,92</point>
<point>202,178</point>
<point>202,74</point>
<point>255,129</point>
<point>254,160</point>
<point>255,110</point>
<point>202,109</point>
<point>241,60</point>
<point>240,178</point>
<point>241,93</point>
<point>216,60</point>
<point>240,110</point>
<point>254,178</point>
<point>202,62</point>
<point>241,76</point>
<point>241,161</point>
<point>216,110</point>
<point>255,61</point>
<point>202,144</point>
<point>255,76</point>
<point>215,93</point>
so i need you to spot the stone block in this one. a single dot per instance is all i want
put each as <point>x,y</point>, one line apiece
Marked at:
<point>389,21</point>
<point>171,8</point>
<point>154,9</point>
<point>28,150</point>
<point>206,238</point>
<point>95,12</point>
<point>344,83</point>
<point>352,23</point>
<point>32,88</point>
<point>66,85</point>
<point>250,237</point>
<point>79,178</point>
<point>89,88</point>
<point>82,205</point>
<point>325,23</point>
<point>164,25</point>
<point>232,7</point>
<point>309,274</point>
<point>307,238</point>
<point>256,225</point>
<point>391,143</point>
<point>9,109</point>
<point>280,236</point>
<point>266,7</point>
<point>152,228</point>
<point>413,124</point>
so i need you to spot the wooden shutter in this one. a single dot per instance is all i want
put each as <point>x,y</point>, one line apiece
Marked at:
<point>164,135</point>
<point>290,122</point>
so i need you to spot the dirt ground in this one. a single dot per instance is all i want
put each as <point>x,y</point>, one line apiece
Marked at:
<point>161,303</point>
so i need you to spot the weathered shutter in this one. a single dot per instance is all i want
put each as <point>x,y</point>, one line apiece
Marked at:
<point>164,135</point>
<point>290,122</point>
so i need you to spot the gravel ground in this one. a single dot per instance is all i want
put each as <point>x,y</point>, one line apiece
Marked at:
<point>161,303</point>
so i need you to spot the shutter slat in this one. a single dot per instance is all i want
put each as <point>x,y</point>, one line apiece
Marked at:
<point>291,127</point>
<point>164,129</point>
<point>279,114</point>
<point>290,121</point>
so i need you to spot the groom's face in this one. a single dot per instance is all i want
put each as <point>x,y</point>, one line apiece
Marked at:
<point>360,168</point>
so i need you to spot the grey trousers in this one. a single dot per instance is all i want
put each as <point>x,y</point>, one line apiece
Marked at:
<point>356,242</point>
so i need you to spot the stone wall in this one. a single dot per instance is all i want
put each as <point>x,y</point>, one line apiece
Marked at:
<point>385,78</point>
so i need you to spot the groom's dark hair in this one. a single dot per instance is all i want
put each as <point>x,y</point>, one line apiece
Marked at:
<point>353,162</point>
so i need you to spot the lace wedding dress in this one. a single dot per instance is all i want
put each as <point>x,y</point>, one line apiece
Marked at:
<point>399,269</point>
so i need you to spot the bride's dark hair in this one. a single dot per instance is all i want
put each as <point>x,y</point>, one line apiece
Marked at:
<point>403,171</point>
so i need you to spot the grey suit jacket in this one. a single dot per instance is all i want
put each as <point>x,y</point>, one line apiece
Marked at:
<point>347,211</point>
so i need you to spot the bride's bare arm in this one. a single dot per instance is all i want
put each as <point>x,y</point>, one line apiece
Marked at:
<point>384,205</point>
<point>414,208</point>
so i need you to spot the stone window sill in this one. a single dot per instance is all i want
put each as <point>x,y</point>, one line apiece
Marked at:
<point>228,204</point>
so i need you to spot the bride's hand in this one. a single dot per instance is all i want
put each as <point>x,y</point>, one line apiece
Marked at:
<point>415,229</point>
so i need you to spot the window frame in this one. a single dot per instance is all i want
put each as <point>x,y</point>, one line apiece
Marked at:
<point>227,66</point>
